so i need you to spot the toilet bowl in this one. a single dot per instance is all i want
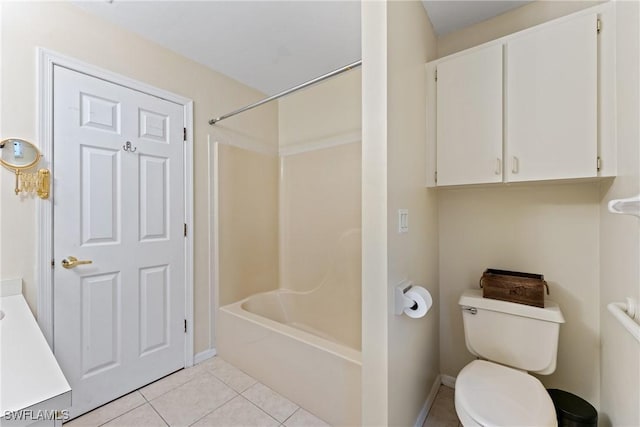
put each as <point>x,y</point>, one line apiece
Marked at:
<point>514,339</point>
<point>488,394</point>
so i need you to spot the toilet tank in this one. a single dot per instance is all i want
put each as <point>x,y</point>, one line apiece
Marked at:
<point>516,335</point>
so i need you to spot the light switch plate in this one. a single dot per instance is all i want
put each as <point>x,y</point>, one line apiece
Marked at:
<point>403,220</point>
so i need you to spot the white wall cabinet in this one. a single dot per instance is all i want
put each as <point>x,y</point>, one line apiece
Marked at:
<point>531,106</point>
<point>551,104</point>
<point>469,118</point>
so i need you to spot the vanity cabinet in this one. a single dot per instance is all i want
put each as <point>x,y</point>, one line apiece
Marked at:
<point>33,389</point>
<point>532,106</point>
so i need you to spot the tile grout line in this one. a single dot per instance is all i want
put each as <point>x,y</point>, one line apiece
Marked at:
<point>153,407</point>
<point>159,414</point>
<point>269,388</point>
<point>145,397</point>
<point>123,413</point>
<point>208,372</point>
<point>147,401</point>
<point>213,370</point>
<point>217,407</point>
<point>294,412</point>
<point>171,389</point>
<point>262,410</point>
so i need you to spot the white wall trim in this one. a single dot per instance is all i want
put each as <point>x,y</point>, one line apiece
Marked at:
<point>189,240</point>
<point>46,60</point>
<point>321,143</point>
<point>214,241</point>
<point>251,144</point>
<point>246,143</point>
<point>448,380</point>
<point>431,397</point>
<point>283,220</point>
<point>44,208</point>
<point>204,355</point>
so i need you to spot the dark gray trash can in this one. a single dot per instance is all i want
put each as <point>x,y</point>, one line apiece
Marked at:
<point>573,411</point>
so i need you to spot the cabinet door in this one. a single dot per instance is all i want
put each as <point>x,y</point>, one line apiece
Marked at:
<point>469,118</point>
<point>551,108</point>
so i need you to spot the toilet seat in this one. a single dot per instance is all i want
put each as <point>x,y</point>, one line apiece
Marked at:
<point>488,394</point>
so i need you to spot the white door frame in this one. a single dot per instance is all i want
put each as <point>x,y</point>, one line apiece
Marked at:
<point>46,60</point>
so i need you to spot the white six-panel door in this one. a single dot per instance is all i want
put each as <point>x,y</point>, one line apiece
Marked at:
<point>119,321</point>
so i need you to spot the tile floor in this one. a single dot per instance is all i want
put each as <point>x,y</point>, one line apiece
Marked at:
<point>213,393</point>
<point>443,411</point>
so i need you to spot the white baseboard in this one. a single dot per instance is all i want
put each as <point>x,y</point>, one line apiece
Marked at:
<point>431,397</point>
<point>204,355</point>
<point>448,380</point>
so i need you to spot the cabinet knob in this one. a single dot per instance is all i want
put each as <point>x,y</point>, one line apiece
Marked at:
<point>498,170</point>
<point>515,165</point>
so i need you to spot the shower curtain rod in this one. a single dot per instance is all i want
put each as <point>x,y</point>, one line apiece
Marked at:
<point>288,91</point>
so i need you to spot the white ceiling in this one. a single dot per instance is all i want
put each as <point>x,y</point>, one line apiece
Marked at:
<point>271,45</point>
<point>448,16</point>
<point>268,45</point>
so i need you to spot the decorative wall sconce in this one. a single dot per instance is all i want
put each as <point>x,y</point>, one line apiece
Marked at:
<point>19,155</point>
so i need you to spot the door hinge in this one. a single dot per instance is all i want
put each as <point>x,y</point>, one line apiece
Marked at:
<point>436,75</point>
<point>185,229</point>
<point>598,26</point>
<point>185,326</point>
<point>53,263</point>
<point>598,163</point>
<point>435,176</point>
<point>184,134</point>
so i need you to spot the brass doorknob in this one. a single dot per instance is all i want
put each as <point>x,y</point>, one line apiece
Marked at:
<point>73,262</point>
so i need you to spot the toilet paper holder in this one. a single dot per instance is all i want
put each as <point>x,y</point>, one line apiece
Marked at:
<point>401,301</point>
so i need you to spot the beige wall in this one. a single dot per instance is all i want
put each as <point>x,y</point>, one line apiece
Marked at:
<point>248,223</point>
<point>548,229</point>
<point>328,109</point>
<point>620,237</point>
<point>518,19</point>
<point>413,343</point>
<point>400,357</point>
<point>66,29</point>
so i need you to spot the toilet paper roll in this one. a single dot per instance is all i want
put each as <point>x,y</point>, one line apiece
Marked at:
<point>422,298</point>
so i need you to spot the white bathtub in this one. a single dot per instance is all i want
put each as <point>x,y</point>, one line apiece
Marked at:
<point>307,351</point>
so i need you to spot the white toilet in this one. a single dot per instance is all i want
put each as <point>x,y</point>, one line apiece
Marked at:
<point>514,339</point>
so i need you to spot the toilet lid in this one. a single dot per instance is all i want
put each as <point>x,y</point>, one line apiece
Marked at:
<point>495,395</point>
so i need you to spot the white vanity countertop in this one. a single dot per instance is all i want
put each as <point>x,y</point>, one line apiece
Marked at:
<point>30,377</point>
